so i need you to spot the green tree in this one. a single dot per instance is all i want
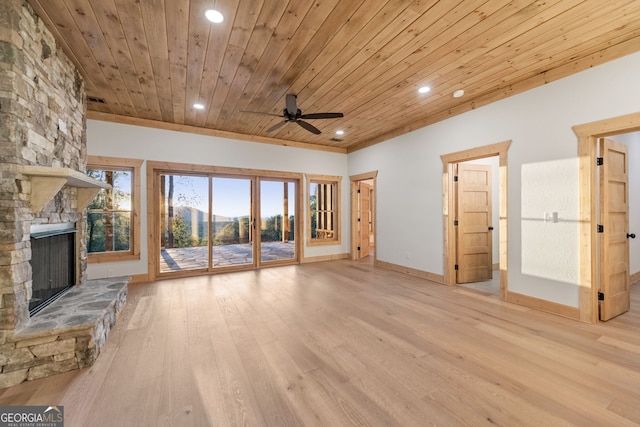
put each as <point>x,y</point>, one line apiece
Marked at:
<point>313,206</point>
<point>182,236</point>
<point>228,235</point>
<point>179,193</point>
<point>272,231</point>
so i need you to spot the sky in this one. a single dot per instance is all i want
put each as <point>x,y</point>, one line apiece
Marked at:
<point>231,196</point>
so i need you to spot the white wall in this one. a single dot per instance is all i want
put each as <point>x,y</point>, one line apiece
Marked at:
<point>632,141</point>
<point>135,142</point>
<point>539,122</point>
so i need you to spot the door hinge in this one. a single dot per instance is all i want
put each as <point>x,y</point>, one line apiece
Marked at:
<point>455,178</point>
<point>358,247</point>
<point>358,219</point>
<point>358,191</point>
<point>600,161</point>
<point>600,228</point>
<point>600,296</point>
<point>455,222</point>
<point>456,267</point>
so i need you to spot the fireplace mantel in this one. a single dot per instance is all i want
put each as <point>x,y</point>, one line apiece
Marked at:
<point>47,181</point>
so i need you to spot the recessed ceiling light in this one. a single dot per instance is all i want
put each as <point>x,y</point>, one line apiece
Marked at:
<point>424,89</point>
<point>198,106</point>
<point>339,132</point>
<point>458,93</point>
<point>214,16</point>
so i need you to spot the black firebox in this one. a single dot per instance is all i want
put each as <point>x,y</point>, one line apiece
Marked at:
<point>53,263</point>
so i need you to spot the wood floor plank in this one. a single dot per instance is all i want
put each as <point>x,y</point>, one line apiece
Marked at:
<point>345,343</point>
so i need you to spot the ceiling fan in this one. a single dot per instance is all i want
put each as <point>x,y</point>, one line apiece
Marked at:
<point>292,113</point>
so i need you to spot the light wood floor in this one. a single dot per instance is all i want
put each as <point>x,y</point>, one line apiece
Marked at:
<point>343,343</point>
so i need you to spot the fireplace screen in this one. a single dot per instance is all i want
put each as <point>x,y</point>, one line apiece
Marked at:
<point>53,266</point>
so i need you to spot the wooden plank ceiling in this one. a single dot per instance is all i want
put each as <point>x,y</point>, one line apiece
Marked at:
<point>151,60</point>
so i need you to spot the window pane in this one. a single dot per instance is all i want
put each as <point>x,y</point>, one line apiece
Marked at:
<point>95,232</point>
<point>277,222</point>
<point>184,222</point>
<point>119,197</point>
<point>322,208</point>
<point>122,190</point>
<point>108,232</point>
<point>231,222</point>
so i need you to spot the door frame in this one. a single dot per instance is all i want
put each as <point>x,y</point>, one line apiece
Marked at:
<point>588,135</point>
<point>448,162</point>
<point>354,211</point>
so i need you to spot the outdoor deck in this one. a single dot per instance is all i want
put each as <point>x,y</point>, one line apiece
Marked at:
<point>177,259</point>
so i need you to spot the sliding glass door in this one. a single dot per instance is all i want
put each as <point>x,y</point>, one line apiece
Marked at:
<point>184,219</point>
<point>231,222</point>
<point>224,221</point>
<point>277,220</point>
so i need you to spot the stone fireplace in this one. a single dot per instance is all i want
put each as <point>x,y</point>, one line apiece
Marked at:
<point>43,186</point>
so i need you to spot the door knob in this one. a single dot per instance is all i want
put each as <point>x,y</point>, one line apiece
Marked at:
<point>632,235</point>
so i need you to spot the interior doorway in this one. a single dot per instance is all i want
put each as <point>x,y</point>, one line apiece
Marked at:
<point>590,274</point>
<point>476,213</point>
<point>450,201</point>
<point>363,235</point>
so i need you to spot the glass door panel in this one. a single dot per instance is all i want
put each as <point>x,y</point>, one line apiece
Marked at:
<point>231,230</point>
<point>184,216</point>
<point>277,221</point>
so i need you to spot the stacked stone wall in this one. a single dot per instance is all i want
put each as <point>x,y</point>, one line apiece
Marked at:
<point>42,122</point>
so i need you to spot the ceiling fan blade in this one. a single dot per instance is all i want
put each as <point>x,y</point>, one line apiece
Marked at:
<point>260,112</point>
<point>308,126</point>
<point>276,126</point>
<point>292,104</point>
<point>322,116</point>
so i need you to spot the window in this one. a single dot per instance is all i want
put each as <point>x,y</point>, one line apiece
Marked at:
<point>323,200</point>
<point>113,222</point>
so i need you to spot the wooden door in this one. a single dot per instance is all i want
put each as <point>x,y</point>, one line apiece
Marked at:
<point>364,218</point>
<point>473,232</point>
<point>614,218</point>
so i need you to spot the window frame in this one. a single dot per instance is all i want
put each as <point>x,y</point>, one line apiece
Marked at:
<point>336,181</point>
<point>120,164</point>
